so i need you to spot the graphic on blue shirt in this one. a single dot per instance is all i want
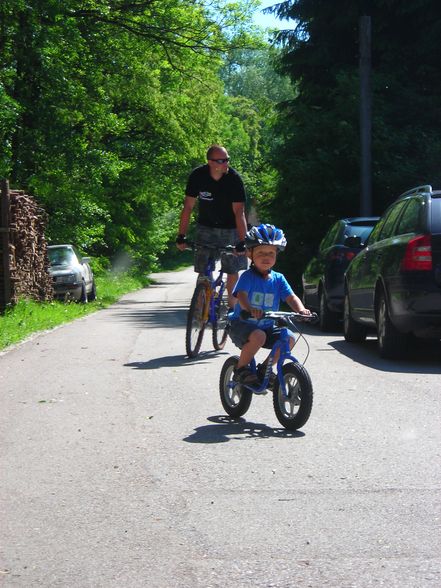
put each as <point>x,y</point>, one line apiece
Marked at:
<point>263,300</point>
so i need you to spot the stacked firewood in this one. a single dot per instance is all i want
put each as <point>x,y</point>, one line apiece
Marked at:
<point>28,258</point>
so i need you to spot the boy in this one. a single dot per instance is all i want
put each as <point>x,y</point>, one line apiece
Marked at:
<point>257,290</point>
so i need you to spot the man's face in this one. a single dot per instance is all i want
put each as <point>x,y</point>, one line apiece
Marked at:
<point>218,162</point>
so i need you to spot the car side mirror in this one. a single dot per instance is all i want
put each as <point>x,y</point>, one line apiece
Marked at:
<point>353,242</point>
<point>85,260</point>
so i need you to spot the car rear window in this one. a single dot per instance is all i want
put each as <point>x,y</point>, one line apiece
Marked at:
<point>436,215</point>
<point>358,231</point>
<point>411,220</point>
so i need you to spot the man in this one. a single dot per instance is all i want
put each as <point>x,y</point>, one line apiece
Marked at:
<point>220,193</point>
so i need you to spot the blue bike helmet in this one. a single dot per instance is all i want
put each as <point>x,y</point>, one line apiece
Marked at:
<point>265,234</point>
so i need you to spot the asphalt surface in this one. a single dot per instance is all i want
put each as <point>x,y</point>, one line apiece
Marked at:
<point>119,467</point>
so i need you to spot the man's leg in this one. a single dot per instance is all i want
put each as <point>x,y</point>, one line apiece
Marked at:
<point>231,282</point>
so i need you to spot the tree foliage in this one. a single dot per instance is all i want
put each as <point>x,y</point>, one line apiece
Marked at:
<point>319,156</point>
<point>106,105</point>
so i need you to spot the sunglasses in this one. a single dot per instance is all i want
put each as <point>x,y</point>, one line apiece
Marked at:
<point>225,160</point>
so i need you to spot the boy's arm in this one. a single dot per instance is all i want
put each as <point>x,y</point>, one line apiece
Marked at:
<point>296,304</point>
<point>242,297</point>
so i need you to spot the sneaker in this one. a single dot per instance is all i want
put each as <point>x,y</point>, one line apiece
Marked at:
<point>261,368</point>
<point>245,376</point>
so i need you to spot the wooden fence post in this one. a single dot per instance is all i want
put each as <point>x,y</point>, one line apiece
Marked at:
<point>5,272</point>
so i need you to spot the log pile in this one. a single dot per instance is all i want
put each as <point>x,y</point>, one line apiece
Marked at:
<point>28,258</point>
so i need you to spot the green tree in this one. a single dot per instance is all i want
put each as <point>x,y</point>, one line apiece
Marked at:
<point>318,159</point>
<point>107,105</point>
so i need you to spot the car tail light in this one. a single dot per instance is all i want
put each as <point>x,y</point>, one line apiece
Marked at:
<point>418,254</point>
<point>341,255</point>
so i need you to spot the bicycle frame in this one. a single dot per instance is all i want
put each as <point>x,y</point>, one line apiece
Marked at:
<point>212,284</point>
<point>210,309</point>
<point>281,344</point>
<point>285,355</point>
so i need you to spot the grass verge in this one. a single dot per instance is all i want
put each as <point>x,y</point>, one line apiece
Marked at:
<point>29,317</point>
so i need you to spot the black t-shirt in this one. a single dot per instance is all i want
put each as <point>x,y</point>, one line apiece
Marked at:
<point>215,197</point>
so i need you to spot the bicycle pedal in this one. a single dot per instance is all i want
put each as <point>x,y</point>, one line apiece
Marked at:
<point>260,392</point>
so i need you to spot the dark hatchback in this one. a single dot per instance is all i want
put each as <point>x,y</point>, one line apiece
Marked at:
<point>394,284</point>
<point>323,278</point>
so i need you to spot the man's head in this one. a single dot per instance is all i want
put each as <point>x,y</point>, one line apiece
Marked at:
<point>217,159</point>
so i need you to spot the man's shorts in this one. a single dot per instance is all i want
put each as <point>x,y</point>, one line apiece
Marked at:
<point>240,331</point>
<point>231,264</point>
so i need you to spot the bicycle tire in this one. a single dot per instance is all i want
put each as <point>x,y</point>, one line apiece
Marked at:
<point>220,324</point>
<point>236,400</point>
<point>195,321</point>
<point>294,411</point>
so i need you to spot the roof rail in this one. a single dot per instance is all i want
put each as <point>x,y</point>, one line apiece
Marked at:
<point>417,190</point>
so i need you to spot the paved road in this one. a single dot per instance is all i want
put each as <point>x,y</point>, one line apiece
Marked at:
<point>119,468</point>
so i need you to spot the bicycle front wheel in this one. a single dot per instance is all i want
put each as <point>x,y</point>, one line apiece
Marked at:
<point>236,399</point>
<point>293,411</point>
<point>196,321</point>
<point>220,325</point>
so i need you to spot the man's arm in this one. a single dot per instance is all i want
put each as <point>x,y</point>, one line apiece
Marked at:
<point>241,222</point>
<point>187,209</point>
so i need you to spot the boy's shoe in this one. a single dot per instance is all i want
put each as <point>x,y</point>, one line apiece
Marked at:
<point>261,368</point>
<point>246,377</point>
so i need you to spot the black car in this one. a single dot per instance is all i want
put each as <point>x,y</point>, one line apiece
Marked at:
<point>394,284</point>
<point>323,278</point>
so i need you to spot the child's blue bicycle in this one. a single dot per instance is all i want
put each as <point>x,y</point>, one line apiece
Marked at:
<point>208,304</point>
<point>292,390</point>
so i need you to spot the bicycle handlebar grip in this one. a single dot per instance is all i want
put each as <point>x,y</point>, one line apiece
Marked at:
<point>245,314</point>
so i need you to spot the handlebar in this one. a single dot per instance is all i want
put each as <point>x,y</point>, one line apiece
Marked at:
<point>195,245</point>
<point>282,316</point>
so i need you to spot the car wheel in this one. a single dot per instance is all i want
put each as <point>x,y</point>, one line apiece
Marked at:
<point>391,343</point>
<point>92,293</point>
<point>353,331</point>
<point>328,319</point>
<point>83,297</point>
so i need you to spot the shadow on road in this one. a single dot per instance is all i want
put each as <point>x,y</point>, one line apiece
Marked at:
<point>423,358</point>
<point>172,316</point>
<point>173,361</point>
<point>224,429</point>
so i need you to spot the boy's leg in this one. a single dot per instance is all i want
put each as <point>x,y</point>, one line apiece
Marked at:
<point>251,347</point>
<point>277,353</point>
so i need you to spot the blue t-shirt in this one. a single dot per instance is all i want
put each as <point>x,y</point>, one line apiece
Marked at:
<point>263,294</point>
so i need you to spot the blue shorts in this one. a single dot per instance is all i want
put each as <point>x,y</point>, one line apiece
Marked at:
<point>241,330</point>
<point>231,264</point>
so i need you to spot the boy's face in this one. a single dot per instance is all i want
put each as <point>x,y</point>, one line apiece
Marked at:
<point>263,257</point>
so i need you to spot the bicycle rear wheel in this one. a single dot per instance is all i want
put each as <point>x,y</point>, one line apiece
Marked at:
<point>293,411</point>
<point>220,325</point>
<point>196,321</point>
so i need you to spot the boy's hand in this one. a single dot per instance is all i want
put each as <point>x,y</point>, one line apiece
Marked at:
<point>305,312</point>
<point>256,313</point>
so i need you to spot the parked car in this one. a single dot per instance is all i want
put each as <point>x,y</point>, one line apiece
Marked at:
<point>394,284</point>
<point>71,273</point>
<point>323,278</point>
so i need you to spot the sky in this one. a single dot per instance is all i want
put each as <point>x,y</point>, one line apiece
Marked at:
<point>269,20</point>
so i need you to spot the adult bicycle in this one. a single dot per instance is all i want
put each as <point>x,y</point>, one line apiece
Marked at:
<point>292,390</point>
<point>209,303</point>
